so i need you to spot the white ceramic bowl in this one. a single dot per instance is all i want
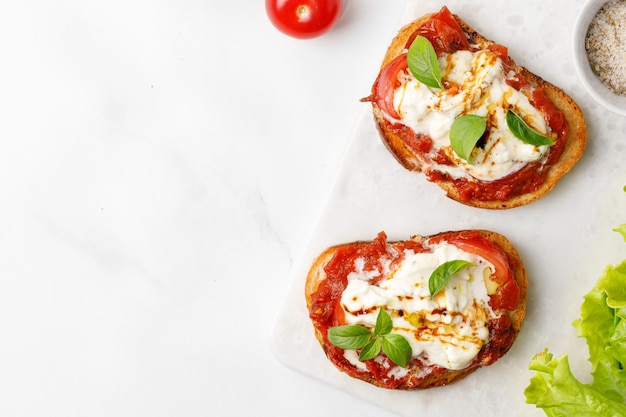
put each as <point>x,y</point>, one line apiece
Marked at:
<point>602,94</point>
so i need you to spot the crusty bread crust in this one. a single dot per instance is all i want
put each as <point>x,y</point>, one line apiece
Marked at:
<point>574,147</point>
<point>317,275</point>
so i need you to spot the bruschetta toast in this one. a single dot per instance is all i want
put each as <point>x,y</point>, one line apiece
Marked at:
<point>457,299</point>
<point>498,166</point>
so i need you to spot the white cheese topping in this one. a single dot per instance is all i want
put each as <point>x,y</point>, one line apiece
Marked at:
<point>448,329</point>
<point>482,90</point>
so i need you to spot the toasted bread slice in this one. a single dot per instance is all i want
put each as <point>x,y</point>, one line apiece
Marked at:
<point>327,283</point>
<point>572,149</point>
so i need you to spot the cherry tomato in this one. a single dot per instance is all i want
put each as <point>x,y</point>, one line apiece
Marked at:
<point>303,19</point>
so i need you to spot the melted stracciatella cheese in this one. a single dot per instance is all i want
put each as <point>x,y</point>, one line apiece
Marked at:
<point>482,90</point>
<point>448,329</point>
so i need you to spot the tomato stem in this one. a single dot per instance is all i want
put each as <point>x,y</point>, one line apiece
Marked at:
<point>303,12</point>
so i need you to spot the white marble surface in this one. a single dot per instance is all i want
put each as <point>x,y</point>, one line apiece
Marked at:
<point>164,166</point>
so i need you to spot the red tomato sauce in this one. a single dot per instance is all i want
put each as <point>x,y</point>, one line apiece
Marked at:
<point>325,310</point>
<point>447,36</point>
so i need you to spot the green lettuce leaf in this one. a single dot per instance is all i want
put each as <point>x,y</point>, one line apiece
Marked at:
<point>555,389</point>
<point>602,323</point>
<point>603,326</point>
<point>621,229</point>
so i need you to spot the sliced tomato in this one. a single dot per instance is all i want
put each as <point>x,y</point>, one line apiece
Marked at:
<point>508,292</point>
<point>443,31</point>
<point>487,250</point>
<point>387,83</point>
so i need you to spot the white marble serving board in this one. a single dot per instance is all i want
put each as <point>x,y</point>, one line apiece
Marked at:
<point>565,239</point>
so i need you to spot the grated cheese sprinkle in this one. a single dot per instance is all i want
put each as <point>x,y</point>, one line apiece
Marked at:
<point>606,45</point>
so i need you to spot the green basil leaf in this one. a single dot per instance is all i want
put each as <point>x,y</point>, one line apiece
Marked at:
<point>349,337</point>
<point>397,348</point>
<point>371,349</point>
<point>383,323</point>
<point>465,131</point>
<point>422,60</point>
<point>524,132</point>
<point>440,276</point>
